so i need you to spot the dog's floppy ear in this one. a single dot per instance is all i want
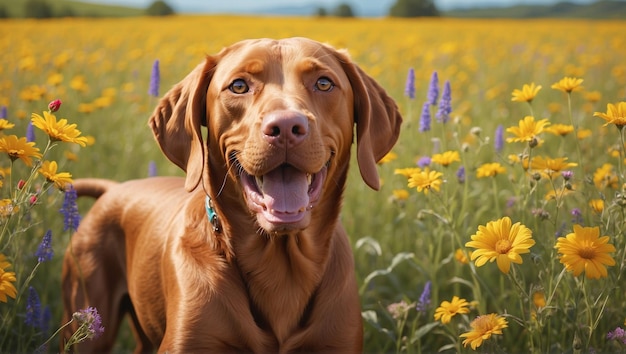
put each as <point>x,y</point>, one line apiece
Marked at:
<point>176,122</point>
<point>377,120</point>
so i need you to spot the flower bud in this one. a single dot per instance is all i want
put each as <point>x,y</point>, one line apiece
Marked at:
<point>54,105</point>
<point>20,184</point>
<point>32,200</point>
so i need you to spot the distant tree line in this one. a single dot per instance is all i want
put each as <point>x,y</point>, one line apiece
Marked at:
<point>44,9</point>
<point>401,8</point>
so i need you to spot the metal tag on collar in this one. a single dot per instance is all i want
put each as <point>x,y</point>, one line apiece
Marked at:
<point>208,204</point>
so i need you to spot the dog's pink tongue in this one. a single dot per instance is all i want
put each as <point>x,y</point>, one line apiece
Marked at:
<point>285,190</point>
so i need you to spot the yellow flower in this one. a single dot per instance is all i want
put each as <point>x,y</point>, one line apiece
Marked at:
<point>446,158</point>
<point>539,299</point>
<point>559,129</point>
<point>461,256</point>
<point>5,124</point>
<point>388,158</point>
<point>7,208</point>
<point>568,84</point>
<point>597,205</point>
<point>448,309</point>
<point>400,194</point>
<point>58,131</point>
<point>490,170</point>
<point>526,94</point>
<point>501,242</point>
<point>585,250</point>
<point>6,280</point>
<point>584,133</point>
<point>482,328</point>
<point>615,114</point>
<point>407,172</point>
<point>527,130</point>
<point>19,148</point>
<point>49,171</point>
<point>425,180</point>
<point>550,167</point>
<point>605,176</point>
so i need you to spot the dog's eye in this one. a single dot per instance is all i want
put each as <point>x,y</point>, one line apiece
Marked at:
<point>324,84</point>
<point>239,86</point>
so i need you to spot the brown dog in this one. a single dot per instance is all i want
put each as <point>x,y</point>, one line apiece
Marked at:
<point>246,253</point>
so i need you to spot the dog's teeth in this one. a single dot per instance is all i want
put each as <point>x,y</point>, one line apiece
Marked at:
<point>259,182</point>
<point>309,178</point>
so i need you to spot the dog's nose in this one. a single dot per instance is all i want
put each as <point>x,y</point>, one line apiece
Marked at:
<point>285,129</point>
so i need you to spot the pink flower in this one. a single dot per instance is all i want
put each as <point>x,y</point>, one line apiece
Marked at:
<point>54,105</point>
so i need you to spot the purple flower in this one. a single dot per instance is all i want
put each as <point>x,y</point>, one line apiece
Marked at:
<point>445,108</point>
<point>423,161</point>
<point>618,335</point>
<point>69,209</point>
<point>152,169</point>
<point>90,318</point>
<point>460,174</point>
<point>30,132</point>
<point>3,112</point>
<point>425,118</point>
<point>577,216</point>
<point>498,141</point>
<point>44,251</point>
<point>424,300</point>
<point>567,175</point>
<point>155,78</point>
<point>33,309</point>
<point>433,89</point>
<point>409,89</point>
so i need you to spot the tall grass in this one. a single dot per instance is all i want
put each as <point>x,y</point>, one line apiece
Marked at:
<point>401,241</point>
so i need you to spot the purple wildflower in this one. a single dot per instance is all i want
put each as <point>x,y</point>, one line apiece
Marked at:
<point>409,89</point>
<point>33,309</point>
<point>567,175</point>
<point>69,209</point>
<point>498,141</point>
<point>618,335</point>
<point>425,118</point>
<point>460,174</point>
<point>433,89</point>
<point>443,114</point>
<point>423,161</point>
<point>90,318</point>
<point>155,78</point>
<point>30,132</point>
<point>577,216</point>
<point>3,112</point>
<point>424,300</point>
<point>152,169</point>
<point>44,251</point>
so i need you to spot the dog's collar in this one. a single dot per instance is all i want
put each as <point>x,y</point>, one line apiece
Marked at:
<point>210,211</point>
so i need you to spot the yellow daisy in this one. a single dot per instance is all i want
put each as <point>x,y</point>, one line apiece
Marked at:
<point>448,309</point>
<point>491,169</point>
<point>49,171</point>
<point>568,84</point>
<point>425,180</point>
<point>605,176</point>
<point>550,167</point>
<point>527,130</point>
<point>388,158</point>
<point>615,114</point>
<point>559,129</point>
<point>501,241</point>
<point>526,94</point>
<point>19,148</point>
<point>483,327</point>
<point>7,208</point>
<point>407,172</point>
<point>446,158</point>
<point>58,130</point>
<point>584,250</point>
<point>6,280</point>
<point>5,124</point>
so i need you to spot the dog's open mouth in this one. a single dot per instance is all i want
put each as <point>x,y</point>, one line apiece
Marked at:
<point>284,196</point>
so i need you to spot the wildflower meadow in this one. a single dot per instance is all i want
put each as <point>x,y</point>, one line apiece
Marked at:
<point>500,223</point>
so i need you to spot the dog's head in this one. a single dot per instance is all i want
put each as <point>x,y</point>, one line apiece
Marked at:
<point>280,116</point>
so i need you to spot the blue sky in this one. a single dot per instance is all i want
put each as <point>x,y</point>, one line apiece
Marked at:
<point>237,5</point>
